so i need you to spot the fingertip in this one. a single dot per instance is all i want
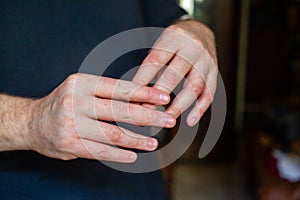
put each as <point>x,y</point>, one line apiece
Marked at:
<point>192,120</point>
<point>152,144</point>
<point>170,121</point>
<point>132,157</point>
<point>164,98</point>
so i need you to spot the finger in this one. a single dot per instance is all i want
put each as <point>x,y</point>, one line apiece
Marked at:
<point>113,135</point>
<point>113,88</point>
<point>173,74</point>
<point>104,109</point>
<point>161,53</point>
<point>204,101</point>
<point>193,87</point>
<point>127,90</point>
<point>93,150</point>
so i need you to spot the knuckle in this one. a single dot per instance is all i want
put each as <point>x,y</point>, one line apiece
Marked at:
<point>201,111</point>
<point>59,145</point>
<point>120,156</point>
<point>171,76</point>
<point>79,149</point>
<point>65,143</point>
<point>69,125</point>
<point>210,98</point>
<point>104,154</point>
<point>208,31</point>
<point>102,82</point>
<point>197,88</point>
<point>68,91</point>
<point>71,80</point>
<point>155,118</point>
<point>176,107</point>
<point>116,135</point>
<point>141,116</point>
<point>199,44</point>
<point>214,68</point>
<point>134,142</point>
<point>134,114</point>
<point>98,107</point>
<point>149,93</point>
<point>155,59</point>
<point>124,110</point>
<point>147,120</point>
<point>66,157</point>
<point>181,58</point>
<point>176,28</point>
<point>67,101</point>
<point>109,154</point>
<point>124,88</point>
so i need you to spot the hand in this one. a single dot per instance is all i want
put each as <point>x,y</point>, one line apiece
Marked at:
<point>68,123</point>
<point>188,49</point>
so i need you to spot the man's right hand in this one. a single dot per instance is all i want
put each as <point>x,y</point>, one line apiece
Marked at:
<point>71,121</point>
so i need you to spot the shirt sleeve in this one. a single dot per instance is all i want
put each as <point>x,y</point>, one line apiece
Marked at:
<point>161,13</point>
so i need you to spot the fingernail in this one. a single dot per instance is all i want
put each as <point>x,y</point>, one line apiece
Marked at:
<point>152,143</point>
<point>193,121</point>
<point>170,121</point>
<point>164,98</point>
<point>132,157</point>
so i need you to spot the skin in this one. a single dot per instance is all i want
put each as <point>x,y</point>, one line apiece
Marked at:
<point>67,124</point>
<point>185,49</point>
<point>70,122</point>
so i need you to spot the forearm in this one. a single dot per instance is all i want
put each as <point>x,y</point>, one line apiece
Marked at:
<point>14,122</point>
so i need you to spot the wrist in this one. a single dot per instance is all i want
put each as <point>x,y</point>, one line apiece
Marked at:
<point>24,120</point>
<point>30,124</point>
<point>15,114</point>
<point>35,115</point>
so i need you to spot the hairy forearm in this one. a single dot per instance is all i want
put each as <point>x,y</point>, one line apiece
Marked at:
<point>14,122</point>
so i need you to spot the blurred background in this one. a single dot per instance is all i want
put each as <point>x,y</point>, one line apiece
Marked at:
<point>258,153</point>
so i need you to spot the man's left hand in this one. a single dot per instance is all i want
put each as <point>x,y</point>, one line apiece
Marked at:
<point>184,50</point>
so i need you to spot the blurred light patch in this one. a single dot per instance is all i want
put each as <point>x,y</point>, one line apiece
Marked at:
<point>188,5</point>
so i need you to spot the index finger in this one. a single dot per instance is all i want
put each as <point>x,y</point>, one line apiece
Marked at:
<point>129,91</point>
<point>162,52</point>
<point>109,88</point>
